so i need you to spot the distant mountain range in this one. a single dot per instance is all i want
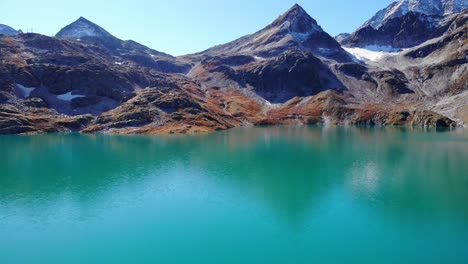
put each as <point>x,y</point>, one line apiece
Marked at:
<point>406,66</point>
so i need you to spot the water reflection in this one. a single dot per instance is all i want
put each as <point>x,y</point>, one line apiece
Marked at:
<point>404,173</point>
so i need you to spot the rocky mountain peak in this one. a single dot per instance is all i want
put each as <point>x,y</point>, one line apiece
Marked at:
<point>297,20</point>
<point>295,29</point>
<point>82,28</point>
<point>7,30</point>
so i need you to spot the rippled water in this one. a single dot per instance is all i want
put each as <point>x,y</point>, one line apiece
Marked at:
<point>250,195</point>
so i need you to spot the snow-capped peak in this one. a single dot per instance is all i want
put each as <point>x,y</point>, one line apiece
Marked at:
<point>7,30</point>
<point>82,28</point>
<point>427,7</point>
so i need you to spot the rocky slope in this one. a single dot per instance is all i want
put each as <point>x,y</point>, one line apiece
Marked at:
<point>290,72</point>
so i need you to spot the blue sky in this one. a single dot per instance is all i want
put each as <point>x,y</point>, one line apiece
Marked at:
<point>180,27</point>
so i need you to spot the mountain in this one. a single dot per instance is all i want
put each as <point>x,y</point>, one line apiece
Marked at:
<point>406,23</point>
<point>290,57</point>
<point>294,29</point>
<point>7,30</point>
<point>82,28</point>
<point>127,50</point>
<point>290,72</point>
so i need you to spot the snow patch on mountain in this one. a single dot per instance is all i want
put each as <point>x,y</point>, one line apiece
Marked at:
<point>372,53</point>
<point>25,91</point>
<point>69,96</point>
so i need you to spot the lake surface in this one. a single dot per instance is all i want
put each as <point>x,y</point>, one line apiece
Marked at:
<point>249,195</point>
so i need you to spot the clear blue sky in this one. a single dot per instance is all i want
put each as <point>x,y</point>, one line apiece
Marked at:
<point>180,27</point>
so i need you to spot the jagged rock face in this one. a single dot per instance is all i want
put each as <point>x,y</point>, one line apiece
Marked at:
<point>443,63</point>
<point>454,38</point>
<point>406,23</point>
<point>85,30</point>
<point>406,31</point>
<point>7,30</point>
<point>426,7</point>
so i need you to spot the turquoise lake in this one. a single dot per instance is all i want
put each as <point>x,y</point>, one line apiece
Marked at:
<point>248,195</point>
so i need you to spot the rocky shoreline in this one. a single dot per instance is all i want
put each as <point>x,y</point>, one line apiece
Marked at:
<point>326,108</point>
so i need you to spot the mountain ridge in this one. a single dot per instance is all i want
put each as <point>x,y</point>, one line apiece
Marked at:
<point>82,27</point>
<point>289,72</point>
<point>294,28</point>
<point>84,30</point>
